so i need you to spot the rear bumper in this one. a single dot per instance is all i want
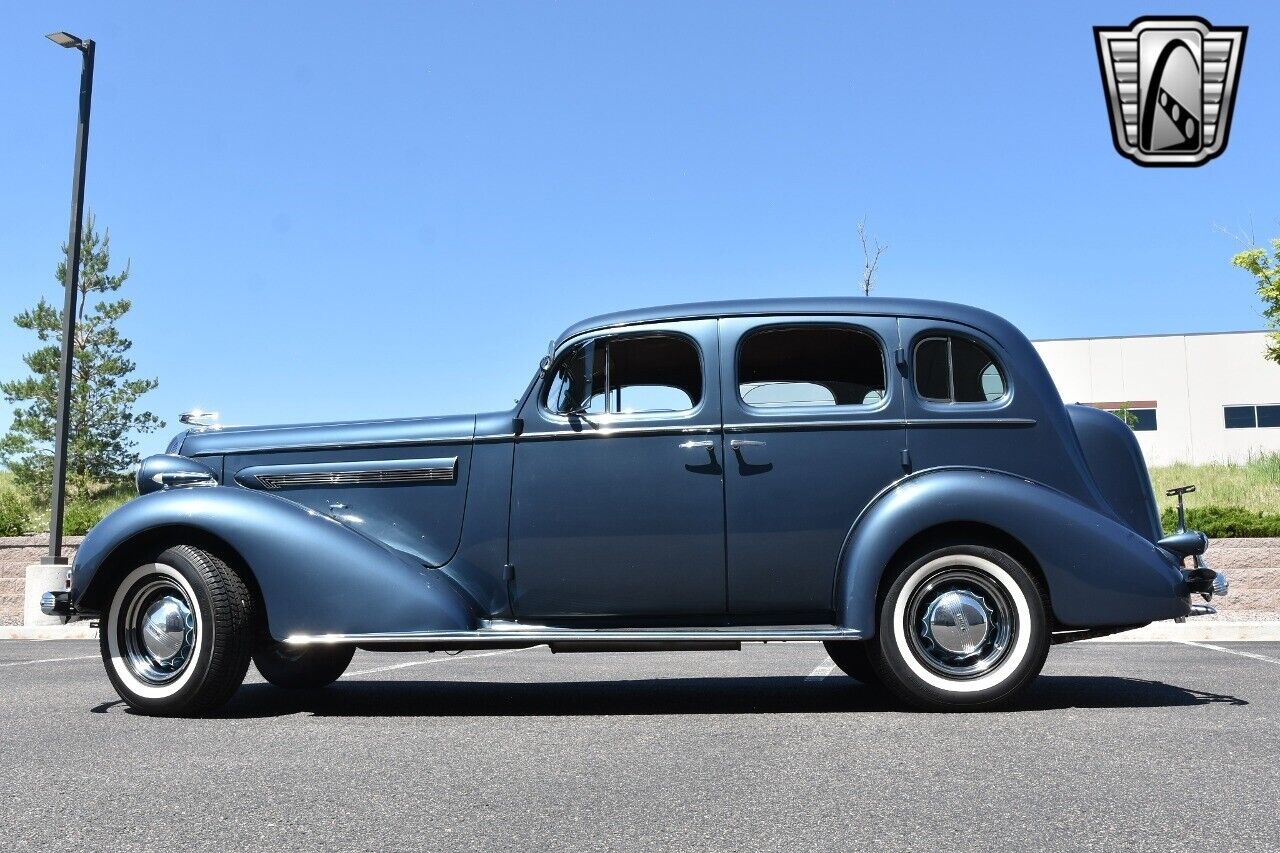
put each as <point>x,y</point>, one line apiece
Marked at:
<point>1205,581</point>
<point>58,603</point>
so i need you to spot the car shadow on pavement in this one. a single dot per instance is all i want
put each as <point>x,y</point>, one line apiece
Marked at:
<point>737,695</point>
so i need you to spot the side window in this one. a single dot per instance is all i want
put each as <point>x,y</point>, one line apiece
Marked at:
<point>627,375</point>
<point>952,369</point>
<point>810,366</point>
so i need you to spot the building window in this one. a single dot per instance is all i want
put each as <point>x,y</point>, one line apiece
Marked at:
<point>1140,415</point>
<point>1142,420</point>
<point>1269,416</point>
<point>1248,417</point>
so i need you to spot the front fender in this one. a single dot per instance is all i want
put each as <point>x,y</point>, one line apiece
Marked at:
<point>316,575</point>
<point>1099,572</point>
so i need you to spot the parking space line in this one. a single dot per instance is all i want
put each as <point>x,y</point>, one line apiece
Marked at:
<point>408,664</point>
<point>821,671</point>
<point>48,660</point>
<point>1252,655</point>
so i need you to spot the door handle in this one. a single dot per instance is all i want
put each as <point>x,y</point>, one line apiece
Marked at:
<point>739,443</point>
<point>704,444</point>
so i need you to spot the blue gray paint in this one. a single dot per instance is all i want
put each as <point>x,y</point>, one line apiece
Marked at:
<point>556,520</point>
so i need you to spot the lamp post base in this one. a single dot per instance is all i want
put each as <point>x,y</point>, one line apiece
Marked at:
<point>41,579</point>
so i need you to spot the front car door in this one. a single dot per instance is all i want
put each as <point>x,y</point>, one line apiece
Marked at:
<point>617,492</point>
<point>813,425</point>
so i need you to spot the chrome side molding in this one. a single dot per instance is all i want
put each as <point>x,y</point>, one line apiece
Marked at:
<point>273,477</point>
<point>499,631</point>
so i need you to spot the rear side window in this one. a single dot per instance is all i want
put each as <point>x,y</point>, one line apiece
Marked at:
<point>810,366</point>
<point>952,369</point>
<point>630,375</point>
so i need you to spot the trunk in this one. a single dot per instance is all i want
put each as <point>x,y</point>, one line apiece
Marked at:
<point>1115,460</point>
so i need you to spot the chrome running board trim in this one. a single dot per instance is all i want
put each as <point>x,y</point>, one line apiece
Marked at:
<point>515,632</point>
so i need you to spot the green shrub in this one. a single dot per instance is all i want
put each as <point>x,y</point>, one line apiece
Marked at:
<point>15,515</point>
<point>1225,522</point>
<point>79,516</point>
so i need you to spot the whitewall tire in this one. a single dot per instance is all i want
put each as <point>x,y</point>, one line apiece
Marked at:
<point>961,627</point>
<point>177,635</point>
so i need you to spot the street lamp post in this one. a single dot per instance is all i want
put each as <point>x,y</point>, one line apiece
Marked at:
<point>71,286</point>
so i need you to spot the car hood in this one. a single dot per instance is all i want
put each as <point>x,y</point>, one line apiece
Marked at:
<point>211,441</point>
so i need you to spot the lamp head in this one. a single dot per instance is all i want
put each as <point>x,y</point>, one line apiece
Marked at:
<point>65,39</point>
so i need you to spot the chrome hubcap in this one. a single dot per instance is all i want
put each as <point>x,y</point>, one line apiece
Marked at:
<point>958,622</point>
<point>961,623</point>
<point>159,631</point>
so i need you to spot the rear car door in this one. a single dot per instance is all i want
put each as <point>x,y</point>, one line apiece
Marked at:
<point>813,426</point>
<point>617,493</point>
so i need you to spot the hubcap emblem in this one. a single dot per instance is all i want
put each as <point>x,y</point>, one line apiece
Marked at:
<point>164,628</point>
<point>958,621</point>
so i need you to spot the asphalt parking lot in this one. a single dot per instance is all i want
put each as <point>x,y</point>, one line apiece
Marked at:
<point>1117,746</point>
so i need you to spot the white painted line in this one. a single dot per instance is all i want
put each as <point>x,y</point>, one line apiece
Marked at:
<point>1231,651</point>
<point>432,660</point>
<point>821,671</point>
<point>74,631</point>
<point>49,660</point>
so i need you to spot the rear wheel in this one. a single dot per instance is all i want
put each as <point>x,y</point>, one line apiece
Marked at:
<point>962,627</point>
<point>176,637</point>
<point>852,658</point>
<point>301,667</point>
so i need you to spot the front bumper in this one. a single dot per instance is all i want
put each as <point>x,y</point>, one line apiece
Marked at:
<point>57,603</point>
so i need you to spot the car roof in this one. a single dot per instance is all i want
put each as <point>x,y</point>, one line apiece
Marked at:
<point>847,305</point>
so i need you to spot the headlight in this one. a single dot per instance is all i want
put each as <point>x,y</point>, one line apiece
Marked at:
<point>169,471</point>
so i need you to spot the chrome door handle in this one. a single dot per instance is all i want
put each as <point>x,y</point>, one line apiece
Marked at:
<point>739,443</point>
<point>705,444</point>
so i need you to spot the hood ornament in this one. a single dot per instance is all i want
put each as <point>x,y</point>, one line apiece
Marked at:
<point>199,418</point>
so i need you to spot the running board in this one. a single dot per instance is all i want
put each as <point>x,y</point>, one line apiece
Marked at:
<point>516,632</point>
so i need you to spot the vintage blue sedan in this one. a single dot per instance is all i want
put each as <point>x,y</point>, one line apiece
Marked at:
<point>898,479</point>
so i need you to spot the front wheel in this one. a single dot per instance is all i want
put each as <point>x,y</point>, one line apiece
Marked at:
<point>177,635</point>
<point>301,667</point>
<point>963,627</point>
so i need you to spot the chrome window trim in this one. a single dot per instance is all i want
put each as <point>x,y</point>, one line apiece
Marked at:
<point>552,416</point>
<point>606,431</point>
<point>938,403</point>
<point>800,322</point>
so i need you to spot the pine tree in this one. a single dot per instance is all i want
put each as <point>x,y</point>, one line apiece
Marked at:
<point>104,392</point>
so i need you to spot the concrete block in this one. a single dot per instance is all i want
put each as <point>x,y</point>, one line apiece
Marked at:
<point>41,579</point>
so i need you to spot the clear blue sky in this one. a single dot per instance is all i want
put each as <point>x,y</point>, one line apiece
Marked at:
<point>347,210</point>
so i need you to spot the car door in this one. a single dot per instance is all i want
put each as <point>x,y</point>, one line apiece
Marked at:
<point>813,424</point>
<point>618,489</point>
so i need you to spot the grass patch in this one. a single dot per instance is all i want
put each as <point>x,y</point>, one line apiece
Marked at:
<point>1253,486</point>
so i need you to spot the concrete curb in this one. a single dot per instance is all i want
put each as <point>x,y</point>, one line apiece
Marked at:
<point>1159,632</point>
<point>1191,630</point>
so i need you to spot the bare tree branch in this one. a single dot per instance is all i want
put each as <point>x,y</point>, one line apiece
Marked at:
<point>872,249</point>
<point>1243,237</point>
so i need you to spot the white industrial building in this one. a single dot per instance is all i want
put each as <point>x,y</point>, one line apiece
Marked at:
<point>1194,398</point>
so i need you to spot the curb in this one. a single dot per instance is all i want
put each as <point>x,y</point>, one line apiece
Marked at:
<point>1192,631</point>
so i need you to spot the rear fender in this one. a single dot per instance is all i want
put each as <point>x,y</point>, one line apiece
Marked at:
<point>1099,572</point>
<point>315,575</point>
